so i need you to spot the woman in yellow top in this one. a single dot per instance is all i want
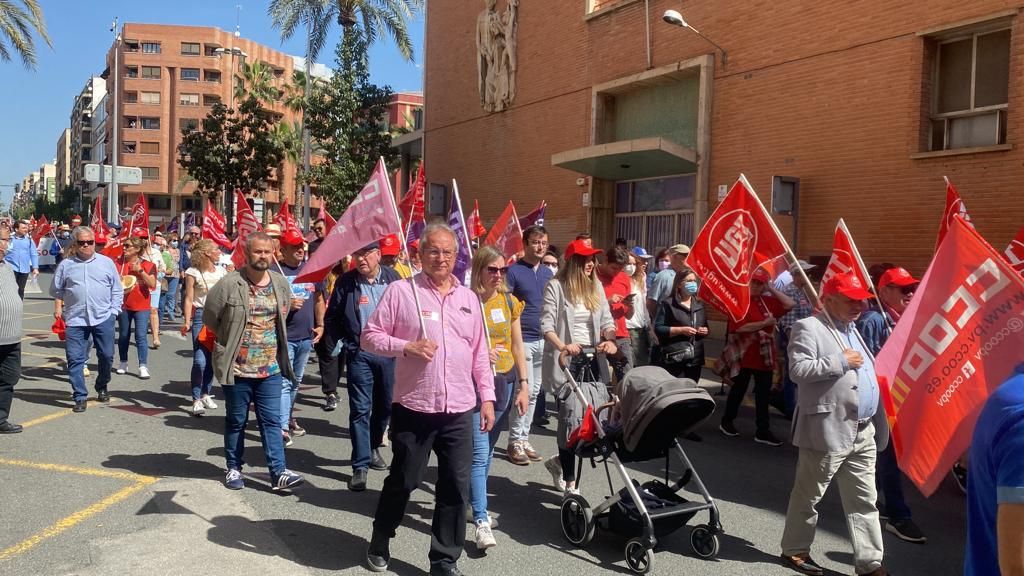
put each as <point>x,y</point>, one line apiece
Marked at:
<point>501,316</point>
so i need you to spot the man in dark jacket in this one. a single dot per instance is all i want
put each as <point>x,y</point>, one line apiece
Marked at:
<point>370,377</point>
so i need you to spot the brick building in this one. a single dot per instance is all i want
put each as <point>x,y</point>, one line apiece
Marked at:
<point>628,126</point>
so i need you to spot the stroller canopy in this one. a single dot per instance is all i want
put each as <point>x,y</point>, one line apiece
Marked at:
<point>647,391</point>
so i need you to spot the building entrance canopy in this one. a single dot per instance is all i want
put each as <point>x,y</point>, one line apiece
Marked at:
<point>629,159</point>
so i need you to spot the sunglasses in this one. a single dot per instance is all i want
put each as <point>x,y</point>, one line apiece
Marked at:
<point>86,242</point>
<point>907,290</point>
<point>496,270</point>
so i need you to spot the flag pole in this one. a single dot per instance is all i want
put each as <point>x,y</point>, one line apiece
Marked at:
<point>404,233</point>
<point>469,250</point>
<point>864,271</point>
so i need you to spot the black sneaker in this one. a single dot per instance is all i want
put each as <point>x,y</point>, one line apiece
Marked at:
<point>357,483</point>
<point>960,477</point>
<point>331,403</point>
<point>103,396</point>
<point>445,570</point>
<point>378,555</point>
<point>728,429</point>
<point>906,530</point>
<point>79,406</point>
<point>377,461</point>
<point>767,438</point>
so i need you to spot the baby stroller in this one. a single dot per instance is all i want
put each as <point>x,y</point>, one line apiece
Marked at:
<point>654,409</point>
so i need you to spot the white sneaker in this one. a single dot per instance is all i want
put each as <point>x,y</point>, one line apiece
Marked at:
<point>554,467</point>
<point>484,536</point>
<point>197,408</point>
<point>85,371</point>
<point>208,402</point>
<point>570,491</point>
<point>143,372</point>
<point>122,368</point>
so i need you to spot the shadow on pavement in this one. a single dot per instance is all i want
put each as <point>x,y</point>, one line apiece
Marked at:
<point>162,465</point>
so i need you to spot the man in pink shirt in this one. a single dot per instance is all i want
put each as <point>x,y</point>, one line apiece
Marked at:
<point>440,376</point>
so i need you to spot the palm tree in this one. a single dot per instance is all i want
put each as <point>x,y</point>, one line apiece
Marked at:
<point>16,25</point>
<point>257,80</point>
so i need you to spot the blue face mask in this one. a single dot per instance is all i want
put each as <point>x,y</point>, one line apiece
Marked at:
<point>691,287</point>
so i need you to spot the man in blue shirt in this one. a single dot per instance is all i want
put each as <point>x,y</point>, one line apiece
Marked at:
<point>526,279</point>
<point>995,495</point>
<point>23,256</point>
<point>88,295</point>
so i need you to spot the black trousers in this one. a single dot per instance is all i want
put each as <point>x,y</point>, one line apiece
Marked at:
<point>413,436</point>
<point>10,373</point>
<point>21,278</point>
<point>762,393</point>
<point>330,366</point>
<point>692,372</point>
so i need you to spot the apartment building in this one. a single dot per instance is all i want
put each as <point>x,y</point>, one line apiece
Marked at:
<point>81,126</point>
<point>64,159</point>
<point>167,80</point>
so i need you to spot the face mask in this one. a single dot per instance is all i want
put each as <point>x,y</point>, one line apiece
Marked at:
<point>691,287</point>
<point>630,269</point>
<point>663,264</point>
<point>553,268</point>
<point>66,235</point>
<point>174,243</point>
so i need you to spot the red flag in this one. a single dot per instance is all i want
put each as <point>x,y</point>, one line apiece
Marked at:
<point>956,342</point>
<point>739,237</point>
<point>140,213</point>
<point>954,207</point>
<point>215,226</point>
<point>32,221</point>
<point>324,215</point>
<point>412,208</point>
<point>98,224</point>
<point>473,225</point>
<point>284,217</point>
<point>42,228</point>
<point>371,216</point>
<point>1015,252</point>
<point>845,257</point>
<point>245,223</point>
<point>506,235</point>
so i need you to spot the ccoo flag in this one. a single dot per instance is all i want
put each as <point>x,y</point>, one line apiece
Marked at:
<point>214,225</point>
<point>245,223</point>
<point>954,207</point>
<point>957,341</point>
<point>506,235</point>
<point>738,238</point>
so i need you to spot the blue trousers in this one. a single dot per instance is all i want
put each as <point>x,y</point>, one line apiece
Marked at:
<point>265,394</point>
<point>124,323</point>
<point>298,353</point>
<point>484,442</point>
<point>76,348</point>
<point>202,360</point>
<point>371,379</point>
<point>169,297</point>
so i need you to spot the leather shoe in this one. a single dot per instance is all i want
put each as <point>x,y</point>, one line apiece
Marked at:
<point>377,461</point>
<point>804,564</point>
<point>445,570</point>
<point>378,555</point>
<point>357,483</point>
<point>8,428</point>
<point>79,406</point>
<point>103,396</point>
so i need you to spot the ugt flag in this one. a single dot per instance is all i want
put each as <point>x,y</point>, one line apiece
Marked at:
<point>845,257</point>
<point>245,223</point>
<point>958,340</point>
<point>140,213</point>
<point>738,238</point>
<point>214,226</point>
<point>457,222</point>
<point>371,216</point>
<point>954,207</point>
<point>98,224</point>
<point>412,208</point>
<point>506,235</point>
<point>1015,252</point>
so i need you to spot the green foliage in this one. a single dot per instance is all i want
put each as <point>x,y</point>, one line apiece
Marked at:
<point>62,209</point>
<point>16,26</point>
<point>347,119</point>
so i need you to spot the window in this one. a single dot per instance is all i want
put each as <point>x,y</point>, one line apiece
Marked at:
<point>190,49</point>
<point>212,75</point>
<point>150,97</point>
<point>158,202</point>
<point>131,45</point>
<point>131,122</point>
<point>188,124</point>
<point>194,204</point>
<point>131,71</point>
<point>128,147</point>
<point>150,47</point>
<point>150,123</point>
<point>149,148</point>
<point>971,91</point>
<point>131,97</point>
<point>279,73</point>
<point>210,49</point>
<point>150,173</point>
<point>151,72</point>
<point>188,99</point>
<point>210,99</point>
<point>655,212</point>
<point>190,74</point>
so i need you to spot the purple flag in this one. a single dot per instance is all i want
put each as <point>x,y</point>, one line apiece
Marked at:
<point>457,222</point>
<point>173,226</point>
<point>190,220</point>
<point>535,217</point>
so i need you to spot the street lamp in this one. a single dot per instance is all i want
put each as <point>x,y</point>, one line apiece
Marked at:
<point>113,208</point>
<point>229,213</point>
<point>674,18</point>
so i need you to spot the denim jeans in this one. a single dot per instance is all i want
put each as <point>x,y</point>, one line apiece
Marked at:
<point>168,297</point>
<point>76,348</point>
<point>371,379</point>
<point>484,442</point>
<point>265,394</point>
<point>298,353</point>
<point>519,426</point>
<point>124,322</point>
<point>202,359</point>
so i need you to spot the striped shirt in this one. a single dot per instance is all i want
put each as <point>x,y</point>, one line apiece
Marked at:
<point>11,306</point>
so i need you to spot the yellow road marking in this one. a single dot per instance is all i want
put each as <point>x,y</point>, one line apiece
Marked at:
<point>47,418</point>
<point>79,470</point>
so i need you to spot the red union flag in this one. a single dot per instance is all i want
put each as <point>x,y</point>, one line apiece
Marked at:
<point>957,341</point>
<point>98,224</point>
<point>371,216</point>
<point>1014,253</point>
<point>284,217</point>
<point>506,235</point>
<point>214,226</point>
<point>245,223</point>
<point>43,228</point>
<point>737,239</point>
<point>324,215</point>
<point>473,225</point>
<point>845,257</point>
<point>140,213</point>
<point>954,207</point>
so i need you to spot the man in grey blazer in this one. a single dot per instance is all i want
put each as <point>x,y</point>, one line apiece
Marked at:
<point>839,425</point>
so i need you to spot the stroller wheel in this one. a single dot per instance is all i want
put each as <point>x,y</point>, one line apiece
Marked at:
<point>704,542</point>
<point>638,556</point>
<point>578,524</point>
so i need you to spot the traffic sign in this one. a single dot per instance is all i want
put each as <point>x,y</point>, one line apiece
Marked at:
<point>125,174</point>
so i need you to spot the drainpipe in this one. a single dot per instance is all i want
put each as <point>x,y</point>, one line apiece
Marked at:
<point>647,25</point>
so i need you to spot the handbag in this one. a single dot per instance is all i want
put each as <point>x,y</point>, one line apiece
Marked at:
<point>681,352</point>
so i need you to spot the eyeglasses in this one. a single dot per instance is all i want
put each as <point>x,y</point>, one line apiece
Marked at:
<point>908,290</point>
<point>496,270</point>
<point>435,254</point>
<point>86,242</point>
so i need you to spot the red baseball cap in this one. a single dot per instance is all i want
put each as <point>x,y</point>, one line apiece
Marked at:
<point>580,248</point>
<point>101,238</point>
<point>848,285</point>
<point>898,276</point>
<point>390,246</point>
<point>761,275</point>
<point>292,237</point>
<point>140,233</point>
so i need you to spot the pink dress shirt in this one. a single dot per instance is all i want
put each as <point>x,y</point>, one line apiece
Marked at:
<point>455,323</point>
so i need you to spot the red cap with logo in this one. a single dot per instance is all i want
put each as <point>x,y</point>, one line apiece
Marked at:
<point>390,246</point>
<point>292,237</point>
<point>580,248</point>
<point>897,276</point>
<point>848,285</point>
<point>101,238</point>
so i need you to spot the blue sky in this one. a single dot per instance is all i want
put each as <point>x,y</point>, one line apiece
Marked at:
<point>35,106</point>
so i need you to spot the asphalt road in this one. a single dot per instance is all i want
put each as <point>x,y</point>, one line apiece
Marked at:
<point>134,487</point>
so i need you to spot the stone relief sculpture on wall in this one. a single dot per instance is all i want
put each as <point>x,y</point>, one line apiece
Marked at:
<point>496,34</point>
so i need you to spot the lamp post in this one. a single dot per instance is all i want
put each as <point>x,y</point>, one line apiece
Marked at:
<point>113,207</point>
<point>229,212</point>
<point>674,18</point>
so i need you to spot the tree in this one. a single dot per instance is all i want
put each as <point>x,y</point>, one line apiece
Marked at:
<point>347,117</point>
<point>257,80</point>
<point>16,26</point>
